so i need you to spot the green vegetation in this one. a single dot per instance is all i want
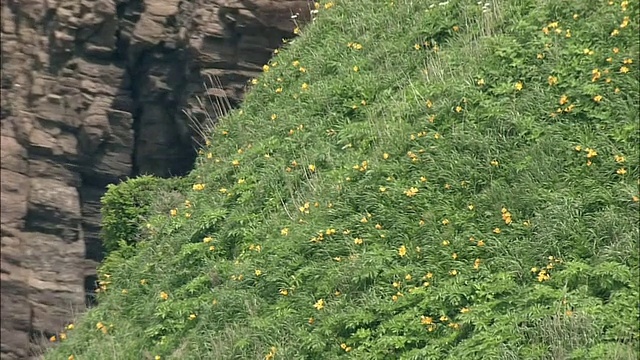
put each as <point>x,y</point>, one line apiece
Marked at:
<point>407,180</point>
<point>126,205</point>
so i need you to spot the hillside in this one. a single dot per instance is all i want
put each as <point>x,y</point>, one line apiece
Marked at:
<point>407,180</point>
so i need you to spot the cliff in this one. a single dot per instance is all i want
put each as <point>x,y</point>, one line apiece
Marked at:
<point>93,92</point>
<point>406,180</point>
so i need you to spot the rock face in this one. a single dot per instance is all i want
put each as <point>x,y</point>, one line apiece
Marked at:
<point>92,92</point>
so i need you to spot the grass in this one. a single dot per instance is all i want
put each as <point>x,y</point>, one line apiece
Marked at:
<point>406,180</point>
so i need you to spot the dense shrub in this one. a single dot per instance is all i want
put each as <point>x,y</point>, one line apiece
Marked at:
<point>127,205</point>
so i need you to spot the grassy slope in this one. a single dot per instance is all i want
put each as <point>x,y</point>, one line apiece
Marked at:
<point>430,273</point>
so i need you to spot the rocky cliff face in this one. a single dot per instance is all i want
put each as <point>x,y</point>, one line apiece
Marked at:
<point>92,91</point>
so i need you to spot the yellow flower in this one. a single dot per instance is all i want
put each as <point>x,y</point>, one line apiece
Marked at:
<point>70,327</point>
<point>192,316</point>
<point>71,357</point>
<point>615,32</point>
<point>624,69</point>
<point>540,56</point>
<point>356,68</point>
<point>445,222</point>
<point>296,31</point>
<point>265,68</point>
<point>454,256</point>
<point>358,241</point>
<point>481,242</point>
<point>302,69</point>
<point>328,5</point>
<point>563,99</point>
<point>284,232</point>
<point>597,98</point>
<point>429,104</point>
<point>464,310</point>
<point>173,212</point>
<point>552,80</point>
<point>402,251</point>
<point>426,320</point>
<point>621,171</point>
<point>304,86</point>
<point>619,159</point>
<point>591,153</point>
<point>543,276</point>
<point>519,85</point>
<point>164,295</point>
<point>458,109</point>
<point>198,187</point>
<point>497,231</point>
<point>124,291</point>
<point>53,338</point>
<point>476,264</point>
<point>235,163</point>
<point>143,282</point>
<point>445,242</point>
<point>494,163</point>
<point>471,207</point>
<point>416,46</point>
<point>453,272</point>
<point>157,357</point>
<point>312,168</point>
<point>411,192</point>
<point>319,305</point>
<point>258,272</point>
<point>383,189</point>
<point>274,116</point>
<point>212,248</point>
<point>480,82</point>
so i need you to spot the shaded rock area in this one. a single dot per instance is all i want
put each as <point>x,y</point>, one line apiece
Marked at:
<point>92,92</point>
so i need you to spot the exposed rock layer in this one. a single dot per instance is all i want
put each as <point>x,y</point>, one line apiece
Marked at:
<point>92,92</point>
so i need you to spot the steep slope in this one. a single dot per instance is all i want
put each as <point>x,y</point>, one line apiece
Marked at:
<point>407,180</point>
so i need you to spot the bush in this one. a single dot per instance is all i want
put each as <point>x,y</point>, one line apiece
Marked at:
<point>125,207</point>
